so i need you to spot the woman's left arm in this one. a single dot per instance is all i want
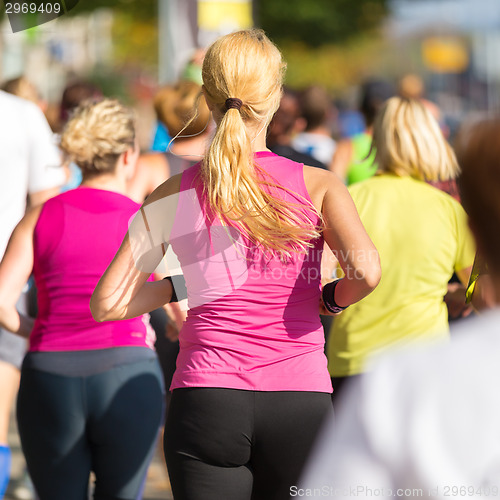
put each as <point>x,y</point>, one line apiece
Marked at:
<point>15,270</point>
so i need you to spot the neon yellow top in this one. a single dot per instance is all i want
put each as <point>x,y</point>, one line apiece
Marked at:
<point>422,237</point>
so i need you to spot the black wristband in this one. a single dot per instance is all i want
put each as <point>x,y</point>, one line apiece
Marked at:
<point>328,295</point>
<point>179,291</point>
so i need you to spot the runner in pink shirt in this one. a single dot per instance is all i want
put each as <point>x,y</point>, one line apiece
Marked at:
<point>91,394</point>
<point>251,387</point>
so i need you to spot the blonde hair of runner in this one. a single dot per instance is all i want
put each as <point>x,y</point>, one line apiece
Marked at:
<point>246,65</point>
<point>409,142</point>
<point>97,134</point>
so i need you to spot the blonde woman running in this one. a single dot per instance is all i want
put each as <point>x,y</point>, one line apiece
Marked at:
<point>251,387</point>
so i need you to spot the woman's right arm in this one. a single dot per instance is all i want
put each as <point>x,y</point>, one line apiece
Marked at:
<point>15,270</point>
<point>123,291</point>
<point>345,235</point>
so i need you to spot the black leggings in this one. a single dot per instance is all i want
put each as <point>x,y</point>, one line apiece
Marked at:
<point>240,445</point>
<point>107,423</point>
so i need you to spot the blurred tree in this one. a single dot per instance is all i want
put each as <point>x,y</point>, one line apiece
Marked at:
<point>337,67</point>
<point>135,40</point>
<point>135,31</point>
<point>145,10</point>
<point>318,22</point>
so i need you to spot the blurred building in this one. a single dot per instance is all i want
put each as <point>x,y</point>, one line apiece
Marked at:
<point>47,54</point>
<point>189,24</point>
<point>456,44</point>
<point>76,45</point>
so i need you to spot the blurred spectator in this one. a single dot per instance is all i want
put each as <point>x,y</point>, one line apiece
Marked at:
<point>284,125</point>
<point>351,123</point>
<point>411,86</point>
<point>316,108</point>
<point>191,73</point>
<point>184,112</point>
<point>426,422</point>
<point>421,235</point>
<point>29,167</point>
<point>161,138</point>
<point>354,158</point>
<point>22,87</point>
<point>73,95</point>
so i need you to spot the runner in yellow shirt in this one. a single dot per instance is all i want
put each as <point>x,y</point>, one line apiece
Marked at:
<point>421,235</point>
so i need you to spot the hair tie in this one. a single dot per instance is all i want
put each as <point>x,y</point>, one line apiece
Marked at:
<point>233,103</point>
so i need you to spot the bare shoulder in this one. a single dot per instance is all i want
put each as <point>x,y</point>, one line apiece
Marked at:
<point>151,170</point>
<point>155,166</point>
<point>319,182</point>
<point>170,187</point>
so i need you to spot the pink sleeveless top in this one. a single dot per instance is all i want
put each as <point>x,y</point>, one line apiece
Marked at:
<point>253,321</point>
<point>75,239</point>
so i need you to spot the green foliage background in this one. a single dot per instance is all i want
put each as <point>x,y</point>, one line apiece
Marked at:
<point>332,42</point>
<point>318,22</point>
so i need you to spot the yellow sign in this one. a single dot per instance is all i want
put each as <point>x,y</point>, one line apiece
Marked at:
<point>445,54</point>
<point>233,14</point>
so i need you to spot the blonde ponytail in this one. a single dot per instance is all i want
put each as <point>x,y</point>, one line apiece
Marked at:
<point>247,66</point>
<point>227,163</point>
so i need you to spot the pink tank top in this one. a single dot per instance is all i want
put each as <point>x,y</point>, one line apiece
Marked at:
<point>253,322</point>
<point>75,239</point>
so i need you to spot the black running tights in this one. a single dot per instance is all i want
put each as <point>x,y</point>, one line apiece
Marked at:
<point>227,444</point>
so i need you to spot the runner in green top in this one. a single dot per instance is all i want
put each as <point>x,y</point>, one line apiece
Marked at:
<point>363,164</point>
